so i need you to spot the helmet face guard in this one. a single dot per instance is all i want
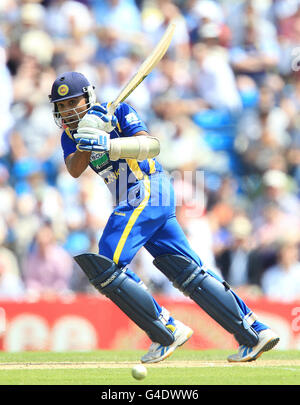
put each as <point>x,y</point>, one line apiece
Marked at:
<point>74,118</point>
<point>71,85</point>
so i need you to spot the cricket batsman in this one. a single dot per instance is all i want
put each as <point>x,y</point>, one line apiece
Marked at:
<point>119,148</point>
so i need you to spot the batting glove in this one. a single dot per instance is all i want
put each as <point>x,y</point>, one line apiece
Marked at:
<point>98,117</point>
<point>92,139</point>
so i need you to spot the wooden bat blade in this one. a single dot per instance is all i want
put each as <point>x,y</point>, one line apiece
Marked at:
<point>147,66</point>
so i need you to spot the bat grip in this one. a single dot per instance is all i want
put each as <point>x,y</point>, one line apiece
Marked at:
<point>111,108</point>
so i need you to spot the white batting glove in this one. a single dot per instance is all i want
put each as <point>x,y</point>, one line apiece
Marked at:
<point>92,139</point>
<point>98,117</point>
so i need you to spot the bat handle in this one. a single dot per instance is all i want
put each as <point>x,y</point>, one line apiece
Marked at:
<point>111,108</point>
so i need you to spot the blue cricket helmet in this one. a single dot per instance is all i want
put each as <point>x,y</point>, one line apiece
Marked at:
<point>68,85</point>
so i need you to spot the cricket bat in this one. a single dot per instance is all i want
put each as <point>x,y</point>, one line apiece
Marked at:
<point>146,67</point>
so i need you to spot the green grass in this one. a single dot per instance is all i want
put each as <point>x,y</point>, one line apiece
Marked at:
<point>285,372</point>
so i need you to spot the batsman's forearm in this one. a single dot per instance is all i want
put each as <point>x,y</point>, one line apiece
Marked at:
<point>77,162</point>
<point>137,147</point>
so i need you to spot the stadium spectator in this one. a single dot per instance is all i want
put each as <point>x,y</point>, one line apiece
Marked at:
<point>166,12</point>
<point>277,190</point>
<point>255,49</point>
<point>48,267</point>
<point>11,284</point>
<point>34,41</point>
<point>263,133</point>
<point>281,282</point>
<point>24,225</point>
<point>234,260</point>
<point>65,19</point>
<point>207,230</point>
<point>121,15</point>
<point>203,12</point>
<point>214,79</point>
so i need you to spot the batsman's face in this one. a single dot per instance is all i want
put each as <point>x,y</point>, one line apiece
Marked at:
<point>72,111</point>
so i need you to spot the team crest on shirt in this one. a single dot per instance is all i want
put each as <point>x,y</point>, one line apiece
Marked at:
<point>63,90</point>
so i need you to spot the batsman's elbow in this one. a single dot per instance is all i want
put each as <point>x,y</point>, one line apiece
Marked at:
<point>73,171</point>
<point>154,149</point>
<point>75,175</point>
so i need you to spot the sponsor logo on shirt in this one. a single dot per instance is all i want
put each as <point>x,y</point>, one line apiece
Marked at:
<point>132,118</point>
<point>98,160</point>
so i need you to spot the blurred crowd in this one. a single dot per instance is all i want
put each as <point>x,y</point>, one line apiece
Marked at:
<point>224,103</point>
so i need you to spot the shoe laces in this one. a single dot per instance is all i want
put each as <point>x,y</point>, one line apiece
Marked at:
<point>154,346</point>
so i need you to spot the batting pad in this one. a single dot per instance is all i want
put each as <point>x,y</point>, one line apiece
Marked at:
<point>213,296</point>
<point>131,297</point>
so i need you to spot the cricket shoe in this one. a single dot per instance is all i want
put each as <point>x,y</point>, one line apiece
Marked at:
<point>267,339</point>
<point>157,352</point>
